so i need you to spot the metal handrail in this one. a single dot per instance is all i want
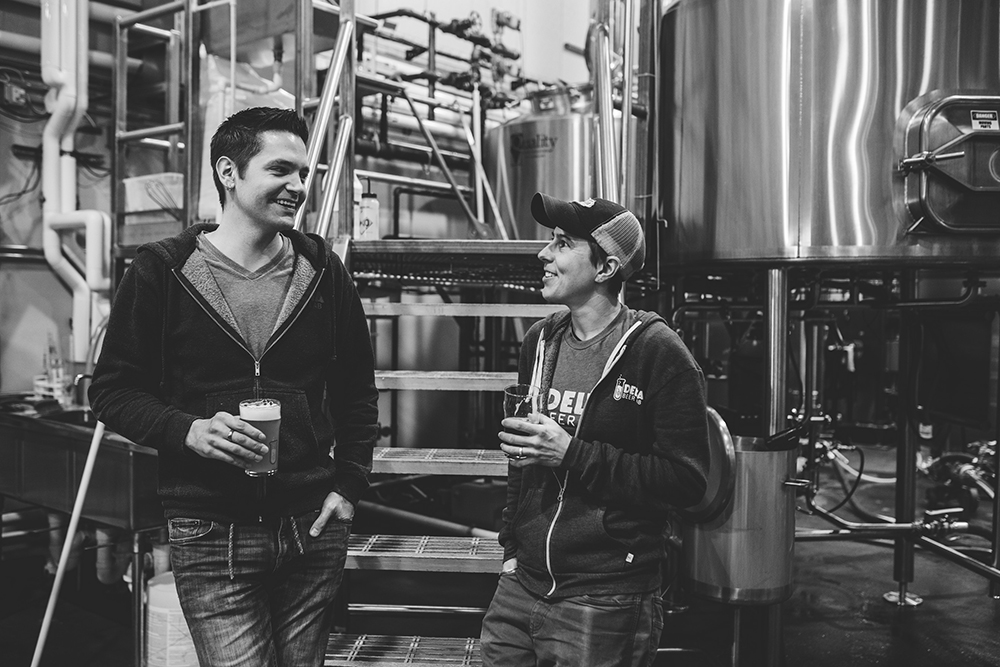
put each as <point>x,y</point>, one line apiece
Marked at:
<point>330,185</point>
<point>317,134</point>
<point>478,226</point>
<point>482,180</point>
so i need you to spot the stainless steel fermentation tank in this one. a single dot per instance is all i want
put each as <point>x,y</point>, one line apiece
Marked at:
<point>783,126</point>
<point>547,150</point>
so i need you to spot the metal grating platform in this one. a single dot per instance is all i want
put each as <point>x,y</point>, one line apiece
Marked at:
<point>469,462</point>
<point>449,262</point>
<point>424,553</point>
<point>422,309</point>
<point>444,380</point>
<point>386,651</point>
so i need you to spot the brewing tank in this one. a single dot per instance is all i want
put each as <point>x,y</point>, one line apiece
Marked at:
<point>820,131</point>
<point>547,150</point>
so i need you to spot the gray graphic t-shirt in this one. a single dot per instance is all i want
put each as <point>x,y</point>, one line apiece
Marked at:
<point>578,368</point>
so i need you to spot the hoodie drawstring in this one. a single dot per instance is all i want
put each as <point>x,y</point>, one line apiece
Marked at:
<point>232,551</point>
<point>298,537</point>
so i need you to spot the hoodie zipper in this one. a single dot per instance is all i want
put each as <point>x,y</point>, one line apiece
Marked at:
<point>284,327</point>
<point>617,353</point>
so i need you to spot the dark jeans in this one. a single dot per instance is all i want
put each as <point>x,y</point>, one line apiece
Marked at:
<point>258,595</point>
<point>522,629</point>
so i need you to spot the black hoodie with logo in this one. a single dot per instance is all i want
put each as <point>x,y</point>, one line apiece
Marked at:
<point>173,354</point>
<point>596,524</point>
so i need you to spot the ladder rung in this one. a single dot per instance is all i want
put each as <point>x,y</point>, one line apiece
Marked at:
<point>424,553</point>
<point>388,309</point>
<point>392,651</point>
<point>432,461</point>
<point>444,380</point>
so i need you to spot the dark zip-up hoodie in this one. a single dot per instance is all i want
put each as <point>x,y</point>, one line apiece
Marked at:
<point>173,354</point>
<point>596,524</point>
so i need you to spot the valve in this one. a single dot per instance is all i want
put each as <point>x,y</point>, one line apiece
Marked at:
<point>938,522</point>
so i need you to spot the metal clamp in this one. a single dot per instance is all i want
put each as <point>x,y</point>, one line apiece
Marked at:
<point>796,484</point>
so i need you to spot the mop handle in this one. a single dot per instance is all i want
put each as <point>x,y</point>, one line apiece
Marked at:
<point>81,495</point>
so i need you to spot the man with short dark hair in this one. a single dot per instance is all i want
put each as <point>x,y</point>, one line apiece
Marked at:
<point>622,437</point>
<point>248,308</point>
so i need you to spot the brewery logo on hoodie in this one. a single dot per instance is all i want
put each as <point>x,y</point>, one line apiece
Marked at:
<point>627,392</point>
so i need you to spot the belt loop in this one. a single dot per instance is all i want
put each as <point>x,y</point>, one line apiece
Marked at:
<point>232,549</point>
<point>298,538</point>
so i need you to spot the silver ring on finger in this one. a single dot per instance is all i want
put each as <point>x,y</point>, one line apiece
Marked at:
<point>230,436</point>
<point>520,452</point>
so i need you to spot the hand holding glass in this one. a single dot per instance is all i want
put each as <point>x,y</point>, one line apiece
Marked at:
<point>520,401</point>
<point>265,415</point>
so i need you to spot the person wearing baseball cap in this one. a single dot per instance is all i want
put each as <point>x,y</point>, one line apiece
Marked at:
<point>621,438</point>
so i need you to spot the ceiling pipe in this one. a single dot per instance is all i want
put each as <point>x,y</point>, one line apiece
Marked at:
<point>33,45</point>
<point>98,10</point>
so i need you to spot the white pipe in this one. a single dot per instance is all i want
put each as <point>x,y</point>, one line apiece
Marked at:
<point>97,228</point>
<point>70,65</point>
<point>61,26</point>
<point>81,495</point>
<point>52,73</point>
<point>406,122</point>
<point>98,10</point>
<point>28,44</point>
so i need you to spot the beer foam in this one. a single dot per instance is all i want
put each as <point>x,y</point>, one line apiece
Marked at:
<point>262,409</point>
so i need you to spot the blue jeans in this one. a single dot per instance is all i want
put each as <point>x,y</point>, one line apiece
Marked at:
<point>258,595</point>
<point>522,629</point>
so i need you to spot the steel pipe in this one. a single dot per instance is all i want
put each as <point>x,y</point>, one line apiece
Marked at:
<point>627,135</point>
<point>431,523</point>
<point>606,158</point>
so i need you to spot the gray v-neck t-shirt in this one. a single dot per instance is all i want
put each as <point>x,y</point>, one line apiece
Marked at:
<point>254,297</point>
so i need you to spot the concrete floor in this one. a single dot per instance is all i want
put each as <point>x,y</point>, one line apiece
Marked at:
<point>836,615</point>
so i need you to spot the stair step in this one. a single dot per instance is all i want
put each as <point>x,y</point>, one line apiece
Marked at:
<point>394,309</point>
<point>423,553</point>
<point>444,380</point>
<point>433,461</point>
<point>390,651</point>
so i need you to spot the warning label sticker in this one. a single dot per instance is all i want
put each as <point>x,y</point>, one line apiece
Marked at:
<point>986,120</point>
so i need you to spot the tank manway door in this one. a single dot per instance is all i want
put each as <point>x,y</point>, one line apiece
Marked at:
<point>951,166</point>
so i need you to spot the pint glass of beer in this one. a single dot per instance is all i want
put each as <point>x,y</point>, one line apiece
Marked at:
<point>263,414</point>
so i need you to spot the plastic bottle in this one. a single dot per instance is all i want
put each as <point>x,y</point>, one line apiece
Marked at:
<point>366,226</point>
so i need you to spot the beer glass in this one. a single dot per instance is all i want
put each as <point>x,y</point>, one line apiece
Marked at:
<point>265,415</point>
